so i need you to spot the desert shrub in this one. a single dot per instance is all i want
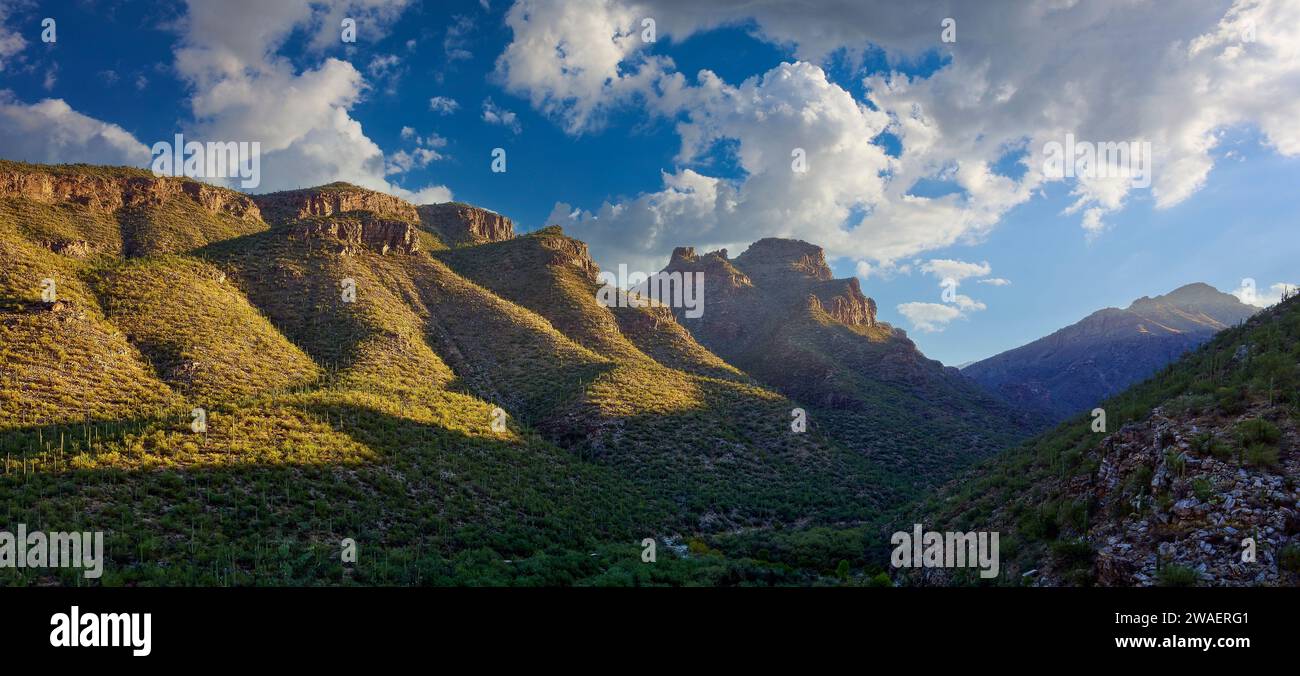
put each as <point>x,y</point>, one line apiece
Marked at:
<point>1203,489</point>
<point>1231,400</point>
<point>699,547</point>
<point>1139,482</point>
<point>1177,576</point>
<point>1262,455</point>
<point>1190,404</point>
<point>1258,430</point>
<point>1074,514</point>
<point>1039,524</point>
<point>1289,558</point>
<point>1208,444</point>
<point>1072,553</point>
<point>880,580</point>
<point>1176,463</point>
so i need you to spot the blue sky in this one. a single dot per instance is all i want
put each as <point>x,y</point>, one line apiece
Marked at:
<point>583,143</point>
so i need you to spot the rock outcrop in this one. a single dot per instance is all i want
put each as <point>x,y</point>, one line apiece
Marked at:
<point>458,223</point>
<point>361,229</point>
<point>1179,494</point>
<point>566,251</point>
<point>331,199</point>
<point>1197,506</point>
<point>843,300</point>
<point>127,188</point>
<point>777,260</point>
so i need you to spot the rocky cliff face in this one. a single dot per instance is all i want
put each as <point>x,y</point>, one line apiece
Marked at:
<point>568,252</point>
<point>740,293</point>
<point>1172,500</point>
<point>112,192</point>
<point>350,232</point>
<point>459,223</point>
<point>843,300</point>
<point>777,260</point>
<point>730,300</point>
<point>331,199</point>
<point>1075,367</point>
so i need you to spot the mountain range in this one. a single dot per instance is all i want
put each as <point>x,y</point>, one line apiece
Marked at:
<point>231,385</point>
<point>1099,356</point>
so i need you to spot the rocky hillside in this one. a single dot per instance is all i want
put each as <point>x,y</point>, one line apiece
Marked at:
<point>458,223</point>
<point>1081,364</point>
<point>777,313</point>
<point>331,199</point>
<point>1195,465</point>
<point>414,377</point>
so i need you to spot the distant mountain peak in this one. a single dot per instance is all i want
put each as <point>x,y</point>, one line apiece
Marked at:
<point>1081,364</point>
<point>1194,294</point>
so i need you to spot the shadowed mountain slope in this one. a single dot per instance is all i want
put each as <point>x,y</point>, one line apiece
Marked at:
<point>1081,364</point>
<point>777,313</point>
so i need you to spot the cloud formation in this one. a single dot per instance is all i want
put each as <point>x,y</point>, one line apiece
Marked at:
<point>494,114</point>
<point>11,42</point>
<point>50,131</point>
<point>230,58</point>
<point>946,268</point>
<point>242,89</point>
<point>1018,78</point>
<point>929,317</point>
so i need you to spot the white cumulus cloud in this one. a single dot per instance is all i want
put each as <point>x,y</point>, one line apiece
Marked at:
<point>50,131</point>
<point>946,268</point>
<point>929,317</point>
<point>243,89</point>
<point>1018,77</point>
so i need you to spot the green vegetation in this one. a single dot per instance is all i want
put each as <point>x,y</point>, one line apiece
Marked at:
<point>1025,487</point>
<point>1203,489</point>
<point>1177,576</point>
<point>330,419</point>
<point>1289,558</point>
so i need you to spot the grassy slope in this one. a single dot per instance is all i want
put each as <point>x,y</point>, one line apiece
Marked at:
<point>65,362</point>
<point>176,226</point>
<point>525,270</point>
<point>381,451</point>
<point>198,331</point>
<point>918,421</point>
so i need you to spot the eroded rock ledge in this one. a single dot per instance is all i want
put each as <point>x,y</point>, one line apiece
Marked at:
<point>109,193</point>
<point>459,223</point>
